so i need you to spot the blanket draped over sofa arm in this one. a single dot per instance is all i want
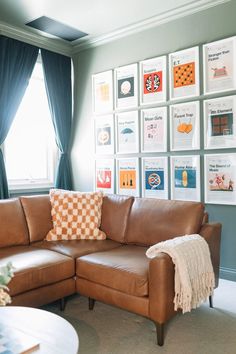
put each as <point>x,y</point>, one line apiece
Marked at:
<point>194,276</point>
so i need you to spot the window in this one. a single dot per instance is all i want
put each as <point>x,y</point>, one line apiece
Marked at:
<point>30,149</point>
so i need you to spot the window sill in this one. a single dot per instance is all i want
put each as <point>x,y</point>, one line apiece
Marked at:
<point>29,189</point>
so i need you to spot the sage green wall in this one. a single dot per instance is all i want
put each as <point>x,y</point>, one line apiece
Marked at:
<point>212,24</point>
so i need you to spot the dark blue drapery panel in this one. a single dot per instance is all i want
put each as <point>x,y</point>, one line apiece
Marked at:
<point>57,75</point>
<point>17,60</point>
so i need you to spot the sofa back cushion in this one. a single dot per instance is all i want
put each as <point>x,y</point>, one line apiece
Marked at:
<point>155,220</point>
<point>37,209</point>
<point>115,213</point>
<point>13,229</point>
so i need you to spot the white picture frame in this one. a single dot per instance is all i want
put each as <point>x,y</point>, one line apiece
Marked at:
<point>185,178</point>
<point>154,129</point>
<point>126,86</point>
<point>102,92</point>
<point>127,132</point>
<point>184,73</point>
<point>220,178</point>
<point>127,180</point>
<point>104,134</point>
<point>155,177</point>
<point>104,179</point>
<point>152,78</point>
<point>219,71</point>
<point>220,122</point>
<point>185,126</point>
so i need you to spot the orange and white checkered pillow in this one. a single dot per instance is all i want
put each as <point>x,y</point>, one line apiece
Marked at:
<point>75,215</point>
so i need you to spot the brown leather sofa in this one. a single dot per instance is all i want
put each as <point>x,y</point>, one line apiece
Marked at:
<point>116,270</point>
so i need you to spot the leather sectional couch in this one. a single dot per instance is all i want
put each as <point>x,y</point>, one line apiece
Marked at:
<point>116,270</point>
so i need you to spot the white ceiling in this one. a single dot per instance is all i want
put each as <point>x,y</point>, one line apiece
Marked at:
<point>98,18</point>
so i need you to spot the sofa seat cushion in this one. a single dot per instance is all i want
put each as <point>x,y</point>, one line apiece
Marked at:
<point>124,269</point>
<point>35,268</point>
<point>77,248</point>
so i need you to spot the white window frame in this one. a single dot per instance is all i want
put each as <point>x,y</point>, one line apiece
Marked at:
<point>36,185</point>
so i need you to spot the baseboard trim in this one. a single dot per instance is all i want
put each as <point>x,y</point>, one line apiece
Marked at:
<point>228,273</point>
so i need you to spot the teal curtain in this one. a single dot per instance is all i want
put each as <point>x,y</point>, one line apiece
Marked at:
<point>17,60</point>
<point>57,76</point>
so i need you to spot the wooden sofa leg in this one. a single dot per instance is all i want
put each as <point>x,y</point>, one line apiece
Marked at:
<point>91,303</point>
<point>62,304</point>
<point>211,301</point>
<point>160,333</point>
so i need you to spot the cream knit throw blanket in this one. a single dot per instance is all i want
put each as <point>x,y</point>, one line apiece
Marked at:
<point>194,276</point>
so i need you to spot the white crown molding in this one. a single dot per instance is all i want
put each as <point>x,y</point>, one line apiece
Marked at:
<point>178,12</point>
<point>36,39</point>
<point>70,49</point>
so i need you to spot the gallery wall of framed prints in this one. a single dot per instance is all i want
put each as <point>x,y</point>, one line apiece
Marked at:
<point>165,136</point>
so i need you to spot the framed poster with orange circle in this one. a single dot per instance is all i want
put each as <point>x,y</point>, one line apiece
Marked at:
<point>104,134</point>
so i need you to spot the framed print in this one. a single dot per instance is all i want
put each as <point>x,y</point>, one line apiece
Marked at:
<point>220,178</point>
<point>104,175</point>
<point>126,95</point>
<point>220,123</point>
<point>104,134</point>
<point>102,92</point>
<point>127,132</point>
<point>154,129</point>
<point>152,80</point>
<point>155,177</point>
<point>219,65</point>
<point>185,126</point>
<point>128,176</point>
<point>185,177</point>
<point>184,73</point>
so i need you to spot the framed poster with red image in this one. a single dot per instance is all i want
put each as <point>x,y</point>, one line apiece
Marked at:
<point>104,175</point>
<point>153,80</point>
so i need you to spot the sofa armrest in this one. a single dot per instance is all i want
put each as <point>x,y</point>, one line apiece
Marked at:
<point>161,288</point>
<point>212,234</point>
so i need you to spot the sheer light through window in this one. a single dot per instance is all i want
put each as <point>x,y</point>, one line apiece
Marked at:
<point>30,148</point>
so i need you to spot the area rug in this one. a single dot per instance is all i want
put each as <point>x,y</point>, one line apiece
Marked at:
<point>109,330</point>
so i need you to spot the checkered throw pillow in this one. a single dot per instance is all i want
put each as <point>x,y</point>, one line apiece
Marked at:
<point>75,215</point>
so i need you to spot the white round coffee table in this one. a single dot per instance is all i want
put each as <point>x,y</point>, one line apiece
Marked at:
<point>54,334</point>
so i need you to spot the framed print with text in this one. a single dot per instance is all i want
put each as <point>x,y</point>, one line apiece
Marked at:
<point>152,80</point>
<point>155,177</point>
<point>220,123</point>
<point>127,132</point>
<point>185,126</point>
<point>185,177</point>
<point>219,70</point>
<point>154,129</point>
<point>220,178</point>
<point>102,92</point>
<point>104,175</point>
<point>104,134</point>
<point>126,93</point>
<point>128,176</point>
<point>184,73</point>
